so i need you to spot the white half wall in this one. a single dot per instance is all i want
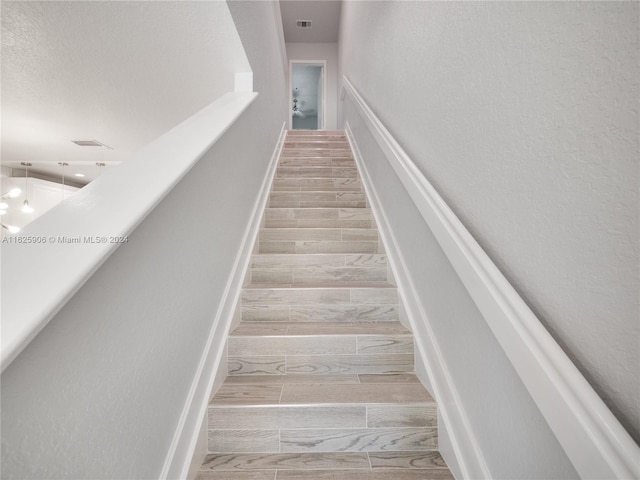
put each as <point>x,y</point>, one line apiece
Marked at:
<point>524,117</point>
<point>329,53</point>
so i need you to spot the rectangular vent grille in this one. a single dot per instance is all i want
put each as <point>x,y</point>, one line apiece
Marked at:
<point>303,24</point>
<point>90,143</point>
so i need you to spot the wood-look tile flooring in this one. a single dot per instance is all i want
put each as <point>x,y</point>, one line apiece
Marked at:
<point>320,371</point>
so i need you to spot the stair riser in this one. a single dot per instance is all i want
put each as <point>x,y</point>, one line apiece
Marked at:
<point>316,172</point>
<point>319,204</point>
<point>321,313</point>
<point>319,296</point>
<point>320,364</point>
<point>316,152</point>
<point>311,275</point>
<point>318,234</point>
<point>316,138</point>
<point>319,247</point>
<point>318,218</point>
<point>317,162</point>
<point>318,262</point>
<point>278,417</point>
<point>316,184</point>
<point>317,200</point>
<point>425,465</point>
<point>323,440</point>
<point>314,133</point>
<point>314,144</point>
<point>319,345</point>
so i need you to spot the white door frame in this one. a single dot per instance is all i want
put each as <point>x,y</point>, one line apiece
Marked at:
<point>323,64</point>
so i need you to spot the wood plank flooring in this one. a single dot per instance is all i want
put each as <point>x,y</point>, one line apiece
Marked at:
<point>320,378</point>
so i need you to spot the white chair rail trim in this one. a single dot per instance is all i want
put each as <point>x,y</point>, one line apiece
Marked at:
<point>469,458</point>
<point>594,440</point>
<point>39,278</point>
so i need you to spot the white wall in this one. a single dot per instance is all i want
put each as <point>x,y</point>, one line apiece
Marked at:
<point>321,51</point>
<point>99,392</point>
<point>524,116</point>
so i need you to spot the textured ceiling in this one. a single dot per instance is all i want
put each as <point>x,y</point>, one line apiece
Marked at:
<point>122,73</point>
<point>324,15</point>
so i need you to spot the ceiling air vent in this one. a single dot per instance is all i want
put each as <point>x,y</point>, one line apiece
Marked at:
<point>303,23</point>
<point>90,143</point>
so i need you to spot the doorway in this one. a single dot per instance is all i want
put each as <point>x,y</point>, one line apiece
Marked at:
<point>307,87</point>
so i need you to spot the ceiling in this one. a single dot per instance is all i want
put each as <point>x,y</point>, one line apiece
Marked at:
<point>122,73</point>
<point>324,15</point>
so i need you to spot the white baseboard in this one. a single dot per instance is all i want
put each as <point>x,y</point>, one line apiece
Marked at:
<point>593,439</point>
<point>184,455</point>
<point>468,456</point>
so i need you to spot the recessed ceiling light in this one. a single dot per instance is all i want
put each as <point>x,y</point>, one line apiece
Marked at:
<point>78,174</point>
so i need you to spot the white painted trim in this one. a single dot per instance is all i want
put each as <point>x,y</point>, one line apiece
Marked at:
<point>181,456</point>
<point>111,206</point>
<point>277,13</point>
<point>322,63</point>
<point>469,458</point>
<point>593,439</point>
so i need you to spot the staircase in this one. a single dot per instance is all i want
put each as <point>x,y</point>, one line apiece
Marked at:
<point>320,371</point>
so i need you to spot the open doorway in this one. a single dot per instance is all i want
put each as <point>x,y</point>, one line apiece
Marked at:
<point>307,87</point>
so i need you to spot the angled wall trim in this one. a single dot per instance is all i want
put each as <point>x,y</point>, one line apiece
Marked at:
<point>182,452</point>
<point>469,458</point>
<point>593,439</point>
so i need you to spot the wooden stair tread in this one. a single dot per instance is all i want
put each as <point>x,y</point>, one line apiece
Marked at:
<point>273,390</point>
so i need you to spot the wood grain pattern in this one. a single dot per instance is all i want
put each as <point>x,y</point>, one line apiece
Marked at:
<point>287,461</point>
<point>358,440</point>
<point>385,344</point>
<point>398,378</point>
<point>317,184</point>
<point>316,344</point>
<point>222,475</point>
<point>404,460</point>
<point>240,441</point>
<point>359,329</point>
<point>345,364</point>
<point>285,379</point>
<point>379,416</point>
<point>295,296</point>
<point>344,313</point>
<point>417,474</point>
<point>233,394</point>
<point>314,274</point>
<point>255,365</point>
<point>363,394</point>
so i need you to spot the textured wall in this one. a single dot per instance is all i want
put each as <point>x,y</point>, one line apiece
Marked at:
<point>524,115</point>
